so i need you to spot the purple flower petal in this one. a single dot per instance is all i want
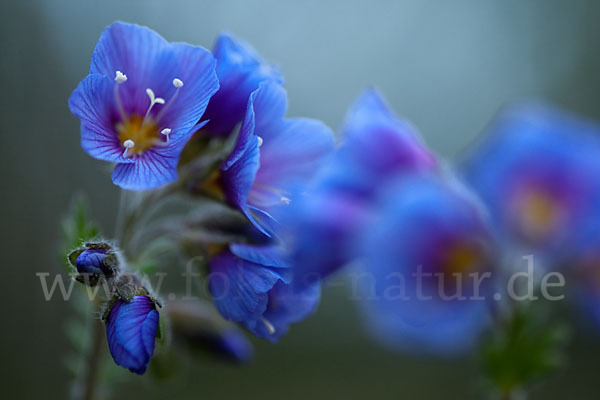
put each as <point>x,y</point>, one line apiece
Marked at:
<point>258,179</point>
<point>240,71</point>
<point>93,102</point>
<point>239,287</point>
<point>150,170</point>
<point>287,305</point>
<point>269,256</point>
<point>131,329</point>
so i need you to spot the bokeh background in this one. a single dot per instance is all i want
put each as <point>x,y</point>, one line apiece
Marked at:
<point>446,65</point>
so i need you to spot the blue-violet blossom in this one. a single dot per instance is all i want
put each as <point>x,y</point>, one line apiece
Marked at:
<point>378,147</point>
<point>141,102</point>
<point>273,157</point>
<point>537,170</point>
<point>429,254</point>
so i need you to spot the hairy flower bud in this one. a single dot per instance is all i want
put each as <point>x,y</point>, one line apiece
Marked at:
<point>93,261</point>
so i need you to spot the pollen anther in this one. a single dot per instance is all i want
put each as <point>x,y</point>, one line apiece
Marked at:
<point>268,325</point>
<point>166,132</point>
<point>120,77</point>
<point>128,144</point>
<point>177,83</point>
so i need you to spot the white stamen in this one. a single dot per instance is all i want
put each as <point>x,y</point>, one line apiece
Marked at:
<point>285,200</point>
<point>260,141</point>
<point>128,144</point>
<point>178,83</point>
<point>153,98</point>
<point>120,77</point>
<point>269,325</point>
<point>166,132</point>
<point>153,101</point>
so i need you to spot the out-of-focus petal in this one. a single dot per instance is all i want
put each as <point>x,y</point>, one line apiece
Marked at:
<point>240,70</point>
<point>239,287</point>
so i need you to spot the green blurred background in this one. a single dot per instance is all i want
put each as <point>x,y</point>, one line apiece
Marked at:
<point>445,65</point>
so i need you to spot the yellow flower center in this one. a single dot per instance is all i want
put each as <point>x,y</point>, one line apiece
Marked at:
<point>463,258</point>
<point>539,215</point>
<point>143,134</point>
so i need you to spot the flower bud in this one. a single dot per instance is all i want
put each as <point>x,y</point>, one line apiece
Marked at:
<point>93,261</point>
<point>131,329</point>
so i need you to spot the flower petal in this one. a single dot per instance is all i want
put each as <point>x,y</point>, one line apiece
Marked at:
<point>269,256</point>
<point>270,106</point>
<point>240,71</point>
<point>289,157</point>
<point>128,48</point>
<point>195,67</point>
<point>131,330</point>
<point>238,171</point>
<point>93,103</point>
<point>378,146</point>
<point>239,287</point>
<point>287,305</point>
<point>152,169</point>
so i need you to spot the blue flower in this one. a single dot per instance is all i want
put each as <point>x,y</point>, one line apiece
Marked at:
<point>141,102</point>
<point>272,157</point>
<point>378,147</point>
<point>240,70</point>
<point>131,330</point>
<point>537,170</point>
<point>423,253</point>
<point>252,285</point>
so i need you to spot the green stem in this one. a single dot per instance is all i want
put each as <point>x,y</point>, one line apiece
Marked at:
<point>90,382</point>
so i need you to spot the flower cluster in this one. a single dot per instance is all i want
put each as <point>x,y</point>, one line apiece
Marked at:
<point>211,127</point>
<point>153,107</point>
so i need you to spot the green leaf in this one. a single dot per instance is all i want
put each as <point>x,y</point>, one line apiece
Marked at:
<point>77,227</point>
<point>526,346</point>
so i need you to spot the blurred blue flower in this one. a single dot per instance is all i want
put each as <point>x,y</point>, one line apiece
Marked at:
<point>240,70</point>
<point>423,256</point>
<point>273,156</point>
<point>378,148</point>
<point>141,102</point>
<point>131,330</point>
<point>251,285</point>
<point>537,170</point>
<point>233,345</point>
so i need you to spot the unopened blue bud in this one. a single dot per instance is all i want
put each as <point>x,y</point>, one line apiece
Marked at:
<point>131,329</point>
<point>94,261</point>
<point>91,261</point>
